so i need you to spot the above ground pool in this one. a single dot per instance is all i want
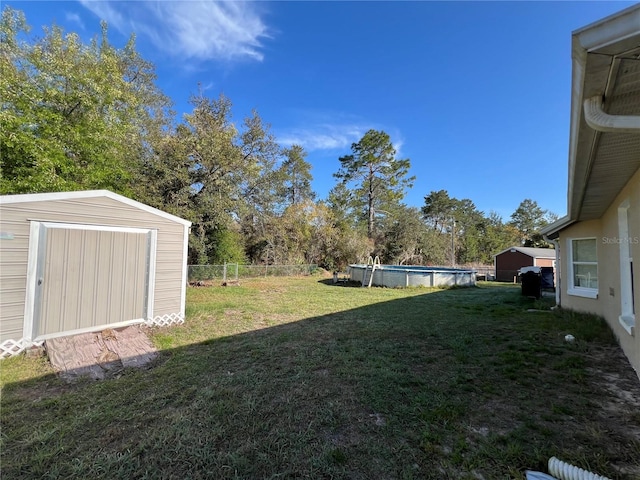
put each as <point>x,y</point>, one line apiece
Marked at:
<point>413,276</point>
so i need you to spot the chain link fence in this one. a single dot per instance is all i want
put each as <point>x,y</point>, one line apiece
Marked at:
<point>233,271</point>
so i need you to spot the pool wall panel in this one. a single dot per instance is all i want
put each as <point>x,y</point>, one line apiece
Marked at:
<point>393,276</point>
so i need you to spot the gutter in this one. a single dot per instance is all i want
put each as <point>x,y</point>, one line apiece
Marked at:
<point>550,232</point>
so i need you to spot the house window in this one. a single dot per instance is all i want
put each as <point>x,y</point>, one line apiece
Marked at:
<point>583,266</point>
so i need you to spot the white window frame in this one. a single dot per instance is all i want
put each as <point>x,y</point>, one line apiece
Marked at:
<point>627,316</point>
<point>572,289</point>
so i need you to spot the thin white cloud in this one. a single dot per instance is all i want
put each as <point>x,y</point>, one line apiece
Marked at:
<point>74,18</point>
<point>207,86</point>
<point>323,136</point>
<point>104,11</point>
<point>337,135</point>
<point>397,145</point>
<point>202,30</point>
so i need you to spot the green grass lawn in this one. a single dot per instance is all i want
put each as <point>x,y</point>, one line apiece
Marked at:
<point>297,378</point>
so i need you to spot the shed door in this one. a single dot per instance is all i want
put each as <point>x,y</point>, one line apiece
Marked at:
<point>90,278</point>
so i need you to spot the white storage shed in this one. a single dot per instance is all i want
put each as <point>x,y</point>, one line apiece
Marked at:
<point>73,262</point>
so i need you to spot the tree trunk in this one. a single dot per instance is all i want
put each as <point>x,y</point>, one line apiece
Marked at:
<point>371,217</point>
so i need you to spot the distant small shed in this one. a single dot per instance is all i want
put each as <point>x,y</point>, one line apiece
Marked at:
<point>512,259</point>
<point>74,262</point>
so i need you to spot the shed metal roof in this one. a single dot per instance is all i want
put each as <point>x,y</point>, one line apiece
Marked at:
<point>531,252</point>
<point>43,197</point>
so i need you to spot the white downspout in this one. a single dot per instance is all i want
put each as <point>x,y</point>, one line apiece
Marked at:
<point>556,246</point>
<point>601,121</point>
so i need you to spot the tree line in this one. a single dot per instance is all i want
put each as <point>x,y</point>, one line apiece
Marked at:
<point>79,116</point>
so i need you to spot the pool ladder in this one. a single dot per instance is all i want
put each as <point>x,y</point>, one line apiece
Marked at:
<point>367,276</point>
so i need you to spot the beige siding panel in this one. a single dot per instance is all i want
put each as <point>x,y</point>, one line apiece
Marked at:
<point>12,284</point>
<point>168,275</point>
<point>10,309</point>
<point>15,251</point>
<point>14,221</point>
<point>12,320</point>
<point>97,211</point>
<point>167,304</point>
<point>13,271</point>
<point>93,211</point>
<point>166,300</point>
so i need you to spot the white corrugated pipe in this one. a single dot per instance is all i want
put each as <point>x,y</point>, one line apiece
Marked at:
<point>565,471</point>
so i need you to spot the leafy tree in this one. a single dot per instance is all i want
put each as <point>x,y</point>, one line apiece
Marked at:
<point>351,243</point>
<point>287,236</point>
<point>72,114</point>
<point>164,175</point>
<point>460,221</point>
<point>297,176</point>
<point>438,210</point>
<point>261,153</point>
<point>405,237</point>
<point>207,171</point>
<point>261,189</point>
<point>350,247</point>
<point>341,202</point>
<point>436,248</point>
<point>378,178</point>
<point>227,245</point>
<point>469,228</point>
<point>324,236</point>
<point>303,233</point>
<point>198,167</point>
<point>495,236</point>
<point>529,218</point>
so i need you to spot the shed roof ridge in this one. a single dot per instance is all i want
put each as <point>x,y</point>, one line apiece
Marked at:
<point>52,196</point>
<point>531,251</point>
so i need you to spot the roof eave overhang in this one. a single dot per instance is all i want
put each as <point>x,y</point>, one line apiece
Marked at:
<point>608,36</point>
<point>552,231</point>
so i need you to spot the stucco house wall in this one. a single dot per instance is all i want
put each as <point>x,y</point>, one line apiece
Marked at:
<point>599,238</point>
<point>608,244</point>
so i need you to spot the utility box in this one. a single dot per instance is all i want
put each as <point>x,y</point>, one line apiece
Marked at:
<point>548,280</point>
<point>531,280</point>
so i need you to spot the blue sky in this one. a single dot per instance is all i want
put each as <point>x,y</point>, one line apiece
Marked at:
<point>476,94</point>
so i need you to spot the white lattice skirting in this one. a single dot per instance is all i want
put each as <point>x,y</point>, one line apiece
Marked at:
<point>166,320</point>
<point>8,348</point>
